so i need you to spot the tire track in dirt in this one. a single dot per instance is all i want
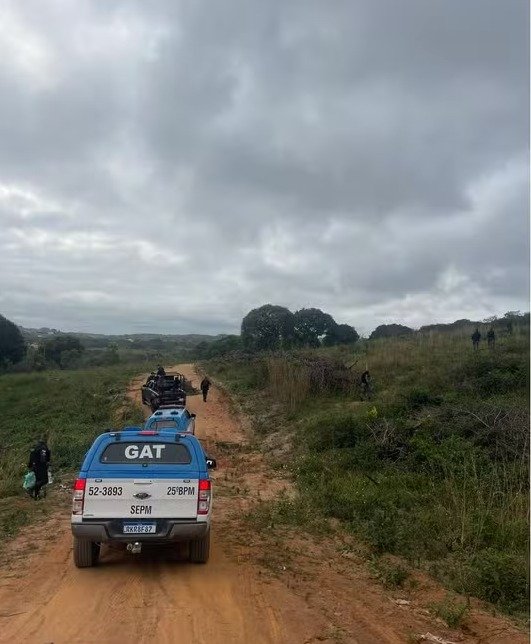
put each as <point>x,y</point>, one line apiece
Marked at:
<point>159,597</point>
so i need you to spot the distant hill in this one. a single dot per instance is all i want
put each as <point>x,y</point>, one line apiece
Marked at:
<point>131,340</point>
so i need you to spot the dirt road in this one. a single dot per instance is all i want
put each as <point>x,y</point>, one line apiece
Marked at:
<point>255,588</point>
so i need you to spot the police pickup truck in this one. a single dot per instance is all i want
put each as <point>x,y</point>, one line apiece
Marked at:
<point>142,486</point>
<point>169,417</point>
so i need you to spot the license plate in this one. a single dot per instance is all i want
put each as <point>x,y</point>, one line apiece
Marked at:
<point>139,528</point>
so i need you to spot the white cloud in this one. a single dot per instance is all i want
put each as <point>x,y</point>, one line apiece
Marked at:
<point>171,167</point>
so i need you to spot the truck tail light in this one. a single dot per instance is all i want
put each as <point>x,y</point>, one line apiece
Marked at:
<point>203,502</point>
<point>79,496</point>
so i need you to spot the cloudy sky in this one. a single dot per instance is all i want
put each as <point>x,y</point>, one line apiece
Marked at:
<point>167,166</point>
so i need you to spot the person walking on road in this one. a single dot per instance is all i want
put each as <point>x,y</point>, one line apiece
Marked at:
<point>38,463</point>
<point>205,386</point>
<point>476,337</point>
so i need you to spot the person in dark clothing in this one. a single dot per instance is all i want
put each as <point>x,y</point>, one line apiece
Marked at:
<point>366,387</point>
<point>160,371</point>
<point>39,461</point>
<point>161,381</point>
<point>491,338</point>
<point>205,386</point>
<point>476,337</point>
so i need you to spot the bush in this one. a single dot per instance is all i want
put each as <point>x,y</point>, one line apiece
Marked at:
<point>499,577</point>
<point>294,378</point>
<point>392,575</point>
<point>450,611</point>
<point>493,373</point>
<point>334,431</point>
<point>418,398</point>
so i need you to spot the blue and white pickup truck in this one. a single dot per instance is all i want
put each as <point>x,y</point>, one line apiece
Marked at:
<point>142,486</point>
<point>168,417</point>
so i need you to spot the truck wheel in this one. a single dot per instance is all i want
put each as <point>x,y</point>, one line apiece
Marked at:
<point>86,553</point>
<point>200,549</point>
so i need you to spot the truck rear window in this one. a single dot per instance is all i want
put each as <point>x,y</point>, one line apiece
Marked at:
<point>143,452</point>
<point>163,424</point>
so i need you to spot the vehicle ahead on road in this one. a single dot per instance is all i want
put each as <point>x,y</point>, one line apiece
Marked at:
<point>142,486</point>
<point>169,417</point>
<point>168,389</point>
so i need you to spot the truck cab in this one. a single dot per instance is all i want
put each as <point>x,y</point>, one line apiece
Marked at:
<point>140,486</point>
<point>169,417</point>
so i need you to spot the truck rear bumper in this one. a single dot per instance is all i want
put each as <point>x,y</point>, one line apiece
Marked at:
<point>167,530</point>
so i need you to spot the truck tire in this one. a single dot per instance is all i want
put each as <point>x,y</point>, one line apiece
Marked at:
<point>86,553</point>
<point>200,549</point>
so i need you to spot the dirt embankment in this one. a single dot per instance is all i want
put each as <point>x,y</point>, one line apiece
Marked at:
<point>259,587</point>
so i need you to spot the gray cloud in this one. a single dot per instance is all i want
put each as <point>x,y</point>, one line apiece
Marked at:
<point>169,167</point>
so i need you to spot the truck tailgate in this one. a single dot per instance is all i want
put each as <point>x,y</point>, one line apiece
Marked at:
<point>110,498</point>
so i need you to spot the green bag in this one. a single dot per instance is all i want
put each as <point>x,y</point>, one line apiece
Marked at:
<point>29,481</point>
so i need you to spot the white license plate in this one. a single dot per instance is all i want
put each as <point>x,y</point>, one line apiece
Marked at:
<point>139,528</point>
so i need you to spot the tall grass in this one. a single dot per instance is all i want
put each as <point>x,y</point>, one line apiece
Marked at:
<point>289,381</point>
<point>68,409</point>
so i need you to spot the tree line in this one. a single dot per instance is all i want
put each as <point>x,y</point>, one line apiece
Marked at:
<point>276,327</point>
<point>266,328</point>
<point>271,327</point>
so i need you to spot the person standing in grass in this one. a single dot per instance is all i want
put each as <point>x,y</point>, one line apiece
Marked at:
<point>491,338</point>
<point>39,462</point>
<point>205,386</point>
<point>366,386</point>
<point>476,337</point>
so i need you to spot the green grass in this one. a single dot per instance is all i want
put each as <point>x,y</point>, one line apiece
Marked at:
<point>433,469</point>
<point>68,409</point>
<point>451,611</point>
<point>392,575</point>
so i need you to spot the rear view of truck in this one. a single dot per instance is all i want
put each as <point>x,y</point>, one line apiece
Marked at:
<point>137,487</point>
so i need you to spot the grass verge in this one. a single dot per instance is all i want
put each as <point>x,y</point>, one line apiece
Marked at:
<point>68,409</point>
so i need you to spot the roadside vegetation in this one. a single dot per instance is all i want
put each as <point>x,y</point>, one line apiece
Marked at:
<point>433,468</point>
<point>68,409</point>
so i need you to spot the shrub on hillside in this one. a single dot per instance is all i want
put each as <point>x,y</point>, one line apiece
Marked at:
<point>493,373</point>
<point>418,398</point>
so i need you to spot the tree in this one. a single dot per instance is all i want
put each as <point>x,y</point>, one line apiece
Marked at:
<point>53,347</point>
<point>268,327</point>
<point>390,331</point>
<point>312,327</point>
<point>341,334</point>
<point>12,345</point>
